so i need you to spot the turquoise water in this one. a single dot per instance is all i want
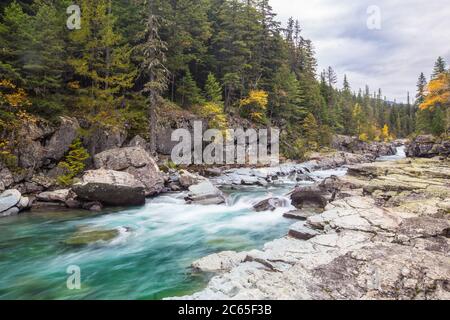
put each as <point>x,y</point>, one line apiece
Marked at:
<point>149,260</point>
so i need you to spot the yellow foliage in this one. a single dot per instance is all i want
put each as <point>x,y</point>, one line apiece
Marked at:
<point>385,135</point>
<point>438,92</point>
<point>363,137</point>
<point>254,106</point>
<point>214,113</point>
<point>13,96</point>
<point>258,97</point>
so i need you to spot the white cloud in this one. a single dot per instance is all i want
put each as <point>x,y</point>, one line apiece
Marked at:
<point>413,34</point>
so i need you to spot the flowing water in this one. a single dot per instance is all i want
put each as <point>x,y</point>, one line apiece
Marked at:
<point>400,154</point>
<point>151,257</point>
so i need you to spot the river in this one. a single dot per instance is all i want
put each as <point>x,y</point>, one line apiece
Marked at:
<point>150,259</point>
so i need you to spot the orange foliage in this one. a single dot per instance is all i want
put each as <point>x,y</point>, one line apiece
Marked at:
<point>438,92</point>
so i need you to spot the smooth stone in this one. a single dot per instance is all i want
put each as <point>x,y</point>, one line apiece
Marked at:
<point>9,199</point>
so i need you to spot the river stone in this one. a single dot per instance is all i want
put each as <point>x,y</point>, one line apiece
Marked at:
<point>110,187</point>
<point>10,212</point>
<point>205,193</point>
<point>188,179</point>
<point>83,238</point>
<point>9,199</point>
<point>135,161</point>
<point>54,196</point>
<point>271,204</point>
<point>24,203</point>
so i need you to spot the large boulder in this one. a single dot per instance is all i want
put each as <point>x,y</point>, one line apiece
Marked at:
<point>135,161</point>
<point>110,187</point>
<point>9,199</point>
<point>205,193</point>
<point>317,196</point>
<point>54,196</point>
<point>12,202</point>
<point>428,146</point>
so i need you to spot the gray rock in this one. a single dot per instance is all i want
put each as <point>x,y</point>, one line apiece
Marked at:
<point>9,199</point>
<point>187,179</point>
<point>219,262</point>
<point>135,161</point>
<point>54,196</point>
<point>10,212</point>
<point>271,204</point>
<point>59,143</point>
<point>302,232</point>
<point>428,146</point>
<point>24,203</point>
<point>298,214</point>
<point>101,139</point>
<point>205,193</point>
<point>110,187</point>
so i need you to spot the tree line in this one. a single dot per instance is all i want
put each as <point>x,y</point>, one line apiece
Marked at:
<point>221,59</point>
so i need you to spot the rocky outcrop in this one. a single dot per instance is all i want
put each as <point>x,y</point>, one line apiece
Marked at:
<point>135,161</point>
<point>371,149</point>
<point>428,146</point>
<point>12,203</point>
<point>385,236</point>
<point>101,139</point>
<point>113,188</point>
<point>187,179</point>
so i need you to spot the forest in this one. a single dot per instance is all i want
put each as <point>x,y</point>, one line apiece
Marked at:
<point>222,60</point>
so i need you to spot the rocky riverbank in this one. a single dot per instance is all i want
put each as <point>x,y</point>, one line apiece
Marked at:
<point>124,174</point>
<point>385,234</point>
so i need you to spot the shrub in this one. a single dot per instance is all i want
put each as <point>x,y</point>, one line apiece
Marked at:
<point>73,164</point>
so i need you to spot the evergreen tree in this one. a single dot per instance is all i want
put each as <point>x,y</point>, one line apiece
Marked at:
<point>440,66</point>
<point>213,90</point>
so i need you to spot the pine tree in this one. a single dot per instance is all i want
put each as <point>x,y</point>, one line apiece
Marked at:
<point>152,66</point>
<point>439,67</point>
<point>213,89</point>
<point>189,91</point>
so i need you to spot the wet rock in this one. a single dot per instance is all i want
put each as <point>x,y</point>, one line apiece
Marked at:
<point>10,212</point>
<point>135,161</point>
<point>86,237</point>
<point>271,204</point>
<point>205,193</point>
<point>110,187</point>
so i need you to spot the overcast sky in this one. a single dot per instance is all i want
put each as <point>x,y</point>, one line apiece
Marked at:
<point>413,34</point>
